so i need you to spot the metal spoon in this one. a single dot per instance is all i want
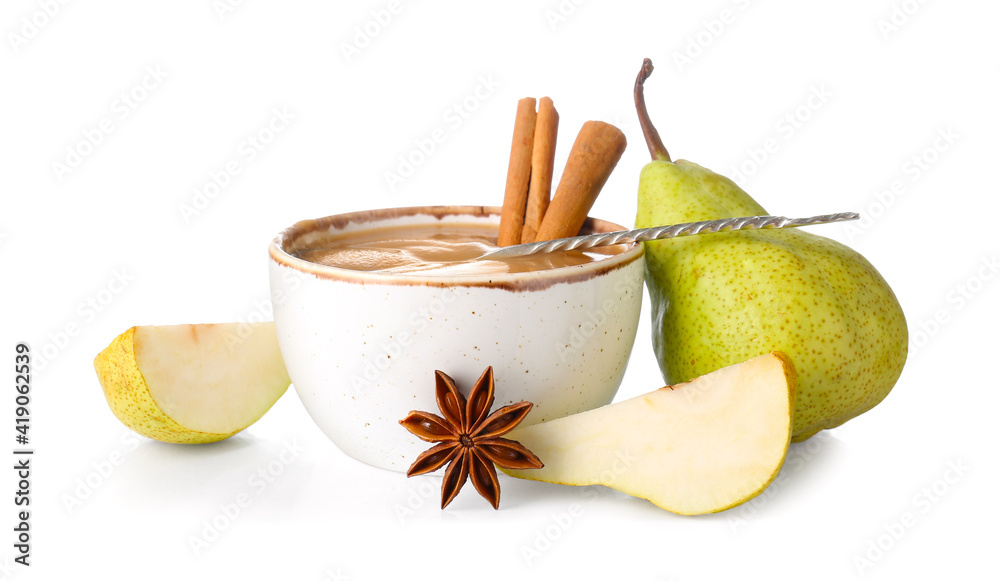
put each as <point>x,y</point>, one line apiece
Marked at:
<point>661,232</point>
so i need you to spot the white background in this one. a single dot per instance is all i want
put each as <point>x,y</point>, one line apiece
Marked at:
<point>108,504</point>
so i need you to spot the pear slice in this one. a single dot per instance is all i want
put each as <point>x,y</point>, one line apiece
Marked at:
<point>192,384</point>
<point>698,447</point>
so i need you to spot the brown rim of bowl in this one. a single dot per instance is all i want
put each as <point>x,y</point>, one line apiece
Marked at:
<point>523,281</point>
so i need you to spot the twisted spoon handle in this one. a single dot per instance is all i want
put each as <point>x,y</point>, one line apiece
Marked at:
<point>662,232</point>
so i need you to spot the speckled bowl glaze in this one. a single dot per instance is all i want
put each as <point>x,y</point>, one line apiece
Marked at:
<point>361,347</point>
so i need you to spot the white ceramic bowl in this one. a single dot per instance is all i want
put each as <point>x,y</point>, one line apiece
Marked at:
<point>361,347</point>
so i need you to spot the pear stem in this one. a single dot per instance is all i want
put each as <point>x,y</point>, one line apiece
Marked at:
<point>653,141</point>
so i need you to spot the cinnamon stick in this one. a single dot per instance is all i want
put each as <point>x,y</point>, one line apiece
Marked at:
<point>543,155</point>
<point>518,174</point>
<point>595,153</point>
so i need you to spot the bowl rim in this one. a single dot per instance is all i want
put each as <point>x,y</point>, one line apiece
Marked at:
<point>521,281</point>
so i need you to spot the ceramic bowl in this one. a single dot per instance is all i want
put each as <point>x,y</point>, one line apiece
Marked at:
<point>361,347</point>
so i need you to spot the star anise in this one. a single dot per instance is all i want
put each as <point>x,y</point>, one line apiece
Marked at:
<point>469,438</point>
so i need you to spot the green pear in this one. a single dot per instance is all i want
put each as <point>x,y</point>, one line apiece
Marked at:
<point>718,299</point>
<point>694,448</point>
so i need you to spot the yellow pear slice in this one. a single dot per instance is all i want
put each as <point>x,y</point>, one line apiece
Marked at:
<point>698,447</point>
<point>192,384</point>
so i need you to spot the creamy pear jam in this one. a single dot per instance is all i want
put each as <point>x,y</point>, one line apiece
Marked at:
<point>437,250</point>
